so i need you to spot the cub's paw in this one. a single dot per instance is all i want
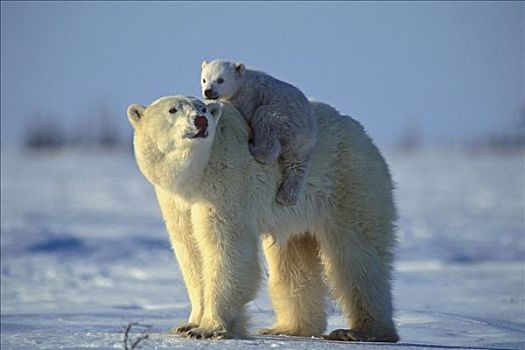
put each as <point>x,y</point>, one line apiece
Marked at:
<point>183,328</point>
<point>287,197</point>
<point>355,335</point>
<point>203,333</point>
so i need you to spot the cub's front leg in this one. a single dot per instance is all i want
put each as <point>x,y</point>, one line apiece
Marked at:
<point>264,144</point>
<point>230,270</point>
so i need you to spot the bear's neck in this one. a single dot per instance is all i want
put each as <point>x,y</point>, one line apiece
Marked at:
<point>189,167</point>
<point>179,172</point>
<point>228,159</point>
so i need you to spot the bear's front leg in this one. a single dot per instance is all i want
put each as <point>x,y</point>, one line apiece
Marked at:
<point>179,226</point>
<point>230,268</point>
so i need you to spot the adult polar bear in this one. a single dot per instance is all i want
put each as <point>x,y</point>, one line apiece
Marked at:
<point>218,202</point>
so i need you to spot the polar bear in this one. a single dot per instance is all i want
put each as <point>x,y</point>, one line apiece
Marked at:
<point>218,202</point>
<point>279,117</point>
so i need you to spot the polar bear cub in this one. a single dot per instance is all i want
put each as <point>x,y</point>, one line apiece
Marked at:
<point>279,116</point>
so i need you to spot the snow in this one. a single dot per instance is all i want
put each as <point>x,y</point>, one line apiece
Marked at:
<point>84,252</point>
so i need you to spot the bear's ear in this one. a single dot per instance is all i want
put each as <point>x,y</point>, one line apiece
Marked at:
<point>204,63</point>
<point>215,109</point>
<point>135,114</point>
<point>239,68</point>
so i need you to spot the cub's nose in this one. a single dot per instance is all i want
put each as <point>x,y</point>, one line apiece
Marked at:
<point>209,93</point>
<point>201,122</point>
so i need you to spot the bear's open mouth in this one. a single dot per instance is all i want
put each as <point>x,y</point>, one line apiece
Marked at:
<point>201,122</point>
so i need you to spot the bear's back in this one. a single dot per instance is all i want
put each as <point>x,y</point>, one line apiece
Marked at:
<point>363,184</point>
<point>344,152</point>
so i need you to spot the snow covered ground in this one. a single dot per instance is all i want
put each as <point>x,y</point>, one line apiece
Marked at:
<point>84,251</point>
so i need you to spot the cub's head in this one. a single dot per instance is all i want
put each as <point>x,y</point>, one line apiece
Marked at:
<point>172,137</point>
<point>221,79</point>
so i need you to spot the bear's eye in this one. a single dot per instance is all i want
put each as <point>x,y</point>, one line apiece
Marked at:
<point>173,110</point>
<point>203,109</point>
<point>204,81</point>
<point>220,80</point>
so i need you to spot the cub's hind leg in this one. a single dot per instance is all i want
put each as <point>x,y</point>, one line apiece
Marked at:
<point>295,163</point>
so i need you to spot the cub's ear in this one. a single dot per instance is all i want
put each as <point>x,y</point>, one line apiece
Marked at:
<point>215,109</point>
<point>240,68</point>
<point>204,63</point>
<point>135,114</point>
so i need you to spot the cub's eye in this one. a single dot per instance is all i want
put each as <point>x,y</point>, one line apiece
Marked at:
<point>220,80</point>
<point>203,109</point>
<point>173,110</point>
<point>204,81</point>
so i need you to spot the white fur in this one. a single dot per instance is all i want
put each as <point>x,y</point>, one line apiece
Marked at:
<point>218,202</point>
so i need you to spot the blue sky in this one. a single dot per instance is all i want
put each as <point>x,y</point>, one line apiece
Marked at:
<point>453,70</point>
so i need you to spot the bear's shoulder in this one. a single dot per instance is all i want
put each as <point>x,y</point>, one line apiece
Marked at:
<point>232,123</point>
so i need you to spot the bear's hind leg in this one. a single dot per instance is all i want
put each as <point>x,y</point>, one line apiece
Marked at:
<point>360,279</point>
<point>296,287</point>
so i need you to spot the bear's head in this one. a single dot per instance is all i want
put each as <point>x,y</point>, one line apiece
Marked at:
<point>221,79</point>
<point>172,138</point>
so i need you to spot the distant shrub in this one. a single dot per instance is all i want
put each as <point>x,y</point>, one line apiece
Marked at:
<point>108,136</point>
<point>44,134</point>
<point>511,140</point>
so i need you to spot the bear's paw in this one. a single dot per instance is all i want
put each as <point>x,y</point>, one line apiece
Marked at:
<point>204,333</point>
<point>183,328</point>
<point>356,335</point>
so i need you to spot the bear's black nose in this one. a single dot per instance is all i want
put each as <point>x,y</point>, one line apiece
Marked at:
<point>209,94</point>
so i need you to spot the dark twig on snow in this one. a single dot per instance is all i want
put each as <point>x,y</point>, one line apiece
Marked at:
<point>134,343</point>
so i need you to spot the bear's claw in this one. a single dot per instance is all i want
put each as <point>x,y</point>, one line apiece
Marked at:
<point>202,333</point>
<point>269,331</point>
<point>355,335</point>
<point>183,328</point>
<point>346,335</point>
